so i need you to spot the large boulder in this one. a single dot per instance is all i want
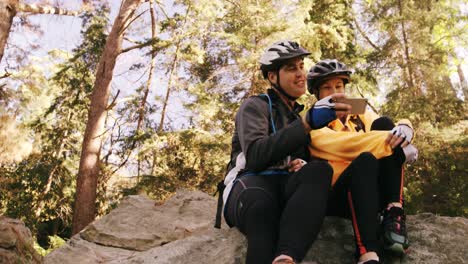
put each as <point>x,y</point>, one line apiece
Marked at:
<point>181,231</point>
<point>16,243</point>
<point>137,224</point>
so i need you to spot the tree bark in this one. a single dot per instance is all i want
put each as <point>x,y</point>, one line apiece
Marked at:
<point>7,13</point>
<point>463,83</point>
<point>141,114</point>
<point>141,110</point>
<point>168,91</point>
<point>253,79</point>
<point>364,35</point>
<point>406,48</point>
<point>88,172</point>
<point>171,74</point>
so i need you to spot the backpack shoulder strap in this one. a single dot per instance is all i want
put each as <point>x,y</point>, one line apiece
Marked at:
<point>270,110</point>
<point>219,207</point>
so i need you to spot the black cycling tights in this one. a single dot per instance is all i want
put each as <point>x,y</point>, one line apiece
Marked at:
<point>390,169</point>
<point>355,196</point>
<point>280,214</point>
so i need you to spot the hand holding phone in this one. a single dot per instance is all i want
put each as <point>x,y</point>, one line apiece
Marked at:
<point>358,105</point>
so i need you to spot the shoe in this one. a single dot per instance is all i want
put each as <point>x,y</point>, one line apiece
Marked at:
<point>372,261</point>
<point>284,260</point>
<point>395,237</point>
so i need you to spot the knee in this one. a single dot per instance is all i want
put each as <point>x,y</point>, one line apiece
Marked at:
<point>368,160</point>
<point>317,172</point>
<point>367,157</point>
<point>382,123</point>
<point>257,213</point>
<point>259,203</point>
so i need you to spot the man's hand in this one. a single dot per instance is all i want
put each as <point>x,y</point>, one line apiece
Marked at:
<point>296,165</point>
<point>325,110</point>
<point>401,134</point>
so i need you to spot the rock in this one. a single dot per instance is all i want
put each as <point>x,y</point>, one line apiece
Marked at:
<point>212,246</point>
<point>335,243</point>
<point>137,224</point>
<point>437,239</point>
<point>16,244</point>
<point>181,231</point>
<point>78,250</point>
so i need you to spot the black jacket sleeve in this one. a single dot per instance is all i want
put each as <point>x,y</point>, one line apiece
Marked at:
<point>261,149</point>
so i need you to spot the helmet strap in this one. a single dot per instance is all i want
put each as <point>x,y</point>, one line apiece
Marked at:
<point>317,93</point>
<point>278,87</point>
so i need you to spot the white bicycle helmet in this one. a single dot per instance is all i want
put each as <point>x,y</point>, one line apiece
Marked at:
<point>278,53</point>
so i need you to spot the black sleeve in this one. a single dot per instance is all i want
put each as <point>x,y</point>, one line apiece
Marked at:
<point>261,149</point>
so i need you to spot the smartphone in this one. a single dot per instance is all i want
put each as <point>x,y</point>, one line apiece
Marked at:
<point>358,105</point>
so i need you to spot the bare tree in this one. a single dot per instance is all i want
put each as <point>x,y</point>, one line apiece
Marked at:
<point>9,9</point>
<point>173,69</point>
<point>7,12</point>
<point>141,110</point>
<point>463,83</point>
<point>86,187</point>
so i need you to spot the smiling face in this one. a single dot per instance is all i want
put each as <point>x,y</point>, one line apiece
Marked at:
<point>292,77</point>
<point>331,86</point>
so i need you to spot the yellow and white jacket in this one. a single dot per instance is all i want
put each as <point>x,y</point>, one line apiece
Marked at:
<point>340,143</point>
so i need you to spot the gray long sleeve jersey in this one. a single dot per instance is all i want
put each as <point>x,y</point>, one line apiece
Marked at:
<point>256,147</point>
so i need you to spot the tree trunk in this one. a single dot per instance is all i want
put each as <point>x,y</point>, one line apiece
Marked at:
<point>407,55</point>
<point>364,35</point>
<point>463,83</point>
<point>7,13</point>
<point>171,74</point>
<point>141,114</point>
<point>169,84</point>
<point>253,87</point>
<point>451,89</point>
<point>141,110</point>
<point>88,172</point>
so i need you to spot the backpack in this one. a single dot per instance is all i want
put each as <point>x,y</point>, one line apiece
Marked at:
<point>221,186</point>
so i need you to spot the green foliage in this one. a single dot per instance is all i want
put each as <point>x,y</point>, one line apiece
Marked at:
<point>413,44</point>
<point>40,188</point>
<point>23,187</point>
<point>441,110</point>
<point>329,30</point>
<point>437,181</point>
<point>54,242</point>
<point>416,42</point>
<point>191,159</point>
<point>14,143</point>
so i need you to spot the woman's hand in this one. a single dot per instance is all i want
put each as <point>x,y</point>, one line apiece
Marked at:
<point>296,165</point>
<point>325,110</point>
<point>401,134</point>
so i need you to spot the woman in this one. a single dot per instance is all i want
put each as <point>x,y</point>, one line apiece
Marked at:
<point>342,143</point>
